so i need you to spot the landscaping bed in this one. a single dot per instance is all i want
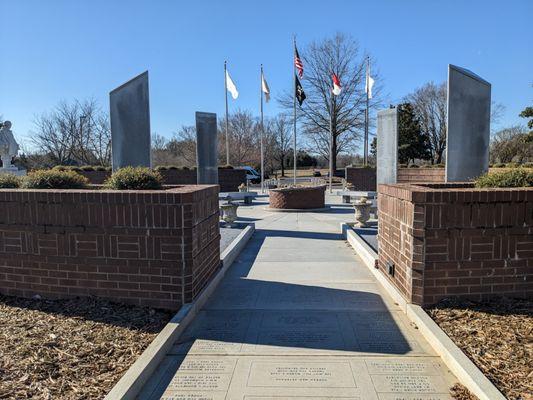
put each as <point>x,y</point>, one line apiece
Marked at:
<point>70,349</point>
<point>497,336</point>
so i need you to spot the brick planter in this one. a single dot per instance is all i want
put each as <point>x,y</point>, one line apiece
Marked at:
<point>449,240</point>
<point>152,248</point>
<point>228,179</point>
<point>299,198</point>
<point>361,178</point>
<point>425,175</point>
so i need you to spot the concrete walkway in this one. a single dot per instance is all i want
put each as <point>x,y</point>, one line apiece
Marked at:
<point>298,316</point>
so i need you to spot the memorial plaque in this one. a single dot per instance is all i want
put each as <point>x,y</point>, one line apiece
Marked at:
<point>202,346</point>
<point>300,398</point>
<point>387,146</point>
<point>301,375</point>
<point>206,148</point>
<point>220,325</point>
<point>390,347</point>
<point>311,338</point>
<point>299,320</point>
<point>392,396</point>
<point>223,365</point>
<point>409,384</point>
<point>467,140</point>
<point>406,367</point>
<point>199,382</point>
<point>130,123</point>
<point>192,396</point>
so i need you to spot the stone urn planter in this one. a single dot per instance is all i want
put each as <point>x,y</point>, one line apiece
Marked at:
<point>242,188</point>
<point>362,212</point>
<point>229,212</point>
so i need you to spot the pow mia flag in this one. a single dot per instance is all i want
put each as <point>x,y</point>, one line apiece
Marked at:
<point>299,90</point>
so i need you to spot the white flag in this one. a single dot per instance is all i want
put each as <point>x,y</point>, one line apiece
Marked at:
<point>265,88</point>
<point>230,86</point>
<point>368,84</point>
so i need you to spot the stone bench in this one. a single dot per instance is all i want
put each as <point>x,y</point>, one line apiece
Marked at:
<point>347,195</point>
<point>246,197</point>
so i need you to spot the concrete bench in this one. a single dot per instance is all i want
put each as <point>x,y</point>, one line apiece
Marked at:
<point>246,197</point>
<point>347,195</point>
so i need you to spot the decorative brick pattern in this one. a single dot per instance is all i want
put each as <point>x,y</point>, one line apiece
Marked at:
<point>426,175</point>
<point>298,198</point>
<point>454,240</point>
<point>153,248</point>
<point>228,179</point>
<point>361,178</point>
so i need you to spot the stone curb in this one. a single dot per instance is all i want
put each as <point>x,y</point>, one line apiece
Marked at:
<point>138,374</point>
<point>464,369</point>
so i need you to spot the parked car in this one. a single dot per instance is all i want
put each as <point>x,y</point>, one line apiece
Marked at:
<point>252,176</point>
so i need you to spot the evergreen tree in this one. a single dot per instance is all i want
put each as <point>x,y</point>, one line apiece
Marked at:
<point>412,143</point>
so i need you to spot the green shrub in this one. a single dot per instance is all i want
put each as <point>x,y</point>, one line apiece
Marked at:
<point>438,166</point>
<point>87,168</point>
<point>101,168</point>
<point>527,165</point>
<point>134,178</point>
<point>414,166</point>
<point>227,166</point>
<point>518,177</point>
<point>54,179</point>
<point>403,165</point>
<point>161,168</point>
<point>9,181</point>
<point>498,165</point>
<point>512,165</point>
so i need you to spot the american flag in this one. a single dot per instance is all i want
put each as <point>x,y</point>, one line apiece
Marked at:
<point>298,62</point>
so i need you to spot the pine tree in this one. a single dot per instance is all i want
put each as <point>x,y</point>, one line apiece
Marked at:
<point>412,143</point>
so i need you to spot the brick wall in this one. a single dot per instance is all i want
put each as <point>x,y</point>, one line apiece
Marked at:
<point>153,248</point>
<point>426,175</point>
<point>361,178</point>
<point>453,240</point>
<point>311,197</point>
<point>228,179</point>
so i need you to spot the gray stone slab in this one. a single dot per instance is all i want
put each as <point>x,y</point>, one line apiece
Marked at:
<point>467,142</point>
<point>206,148</point>
<point>130,123</point>
<point>387,146</point>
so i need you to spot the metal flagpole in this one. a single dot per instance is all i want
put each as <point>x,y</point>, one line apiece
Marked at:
<point>331,145</point>
<point>227,130</point>
<point>262,132</point>
<point>294,116</point>
<point>365,158</point>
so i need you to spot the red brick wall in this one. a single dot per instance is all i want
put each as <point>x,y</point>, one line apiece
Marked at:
<point>153,248</point>
<point>453,240</point>
<point>228,179</point>
<point>297,198</point>
<point>361,178</point>
<point>426,175</point>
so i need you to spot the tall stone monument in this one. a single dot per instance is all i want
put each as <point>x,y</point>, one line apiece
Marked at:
<point>467,141</point>
<point>206,148</point>
<point>387,146</point>
<point>8,149</point>
<point>130,123</point>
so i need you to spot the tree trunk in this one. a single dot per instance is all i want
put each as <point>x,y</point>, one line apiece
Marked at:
<point>282,166</point>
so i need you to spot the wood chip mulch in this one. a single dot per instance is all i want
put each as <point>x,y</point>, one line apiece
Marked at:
<point>497,336</point>
<point>70,349</point>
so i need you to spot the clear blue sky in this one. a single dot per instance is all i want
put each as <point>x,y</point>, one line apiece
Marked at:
<point>67,49</point>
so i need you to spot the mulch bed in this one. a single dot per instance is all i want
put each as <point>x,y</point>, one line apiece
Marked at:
<point>497,336</point>
<point>70,349</point>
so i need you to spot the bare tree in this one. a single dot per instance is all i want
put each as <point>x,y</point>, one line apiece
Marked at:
<point>244,136</point>
<point>511,144</point>
<point>282,133</point>
<point>339,55</point>
<point>76,132</point>
<point>183,145</point>
<point>430,106</point>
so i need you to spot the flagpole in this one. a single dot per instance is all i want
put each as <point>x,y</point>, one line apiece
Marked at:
<point>227,130</point>
<point>262,131</point>
<point>331,145</point>
<point>365,158</point>
<point>294,116</point>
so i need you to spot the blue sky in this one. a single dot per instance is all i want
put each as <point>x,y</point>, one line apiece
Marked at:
<point>67,49</point>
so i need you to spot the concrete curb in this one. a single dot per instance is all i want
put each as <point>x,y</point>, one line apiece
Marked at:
<point>464,369</point>
<point>296,210</point>
<point>138,374</point>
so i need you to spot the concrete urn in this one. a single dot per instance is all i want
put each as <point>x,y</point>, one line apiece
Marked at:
<point>362,212</point>
<point>229,212</point>
<point>242,188</point>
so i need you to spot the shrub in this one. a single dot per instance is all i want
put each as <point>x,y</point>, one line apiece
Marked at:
<point>414,166</point>
<point>403,165</point>
<point>102,168</point>
<point>161,168</point>
<point>227,166</point>
<point>517,177</point>
<point>87,168</point>
<point>54,179</point>
<point>499,165</point>
<point>9,181</point>
<point>512,165</point>
<point>527,165</point>
<point>134,178</point>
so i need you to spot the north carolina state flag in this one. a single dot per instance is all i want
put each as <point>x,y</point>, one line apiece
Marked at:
<point>336,85</point>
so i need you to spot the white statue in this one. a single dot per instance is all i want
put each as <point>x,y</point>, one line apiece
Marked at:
<point>8,145</point>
